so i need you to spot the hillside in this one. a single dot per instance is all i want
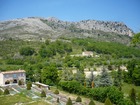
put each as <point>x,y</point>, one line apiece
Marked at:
<point>34,28</point>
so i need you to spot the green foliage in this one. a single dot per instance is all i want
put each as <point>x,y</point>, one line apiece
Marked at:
<point>78,99</point>
<point>79,76</point>
<point>43,94</point>
<point>104,79</point>
<point>125,102</point>
<point>56,92</point>
<point>29,85</point>
<point>98,94</point>
<point>91,102</point>
<point>136,39</point>
<point>1,92</point>
<point>19,82</point>
<point>69,102</point>
<point>132,96</point>
<point>27,51</point>
<point>6,92</point>
<point>112,48</point>
<point>107,102</point>
<point>49,75</point>
<point>139,96</point>
<point>57,100</point>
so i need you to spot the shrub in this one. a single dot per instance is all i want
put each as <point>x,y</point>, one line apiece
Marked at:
<point>108,102</point>
<point>91,102</point>
<point>57,100</point>
<point>56,92</point>
<point>139,96</point>
<point>78,99</point>
<point>69,102</point>
<point>29,85</point>
<point>132,95</point>
<point>1,92</point>
<point>6,92</point>
<point>19,82</point>
<point>43,94</point>
<point>125,102</point>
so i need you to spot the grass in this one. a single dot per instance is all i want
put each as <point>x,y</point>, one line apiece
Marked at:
<point>127,87</point>
<point>11,100</point>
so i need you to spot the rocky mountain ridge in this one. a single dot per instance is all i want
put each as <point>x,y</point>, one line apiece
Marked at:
<point>35,28</point>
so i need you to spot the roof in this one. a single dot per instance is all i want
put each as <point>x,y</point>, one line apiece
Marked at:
<point>15,71</point>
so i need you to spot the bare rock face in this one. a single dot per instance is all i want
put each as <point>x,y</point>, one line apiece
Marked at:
<point>35,28</point>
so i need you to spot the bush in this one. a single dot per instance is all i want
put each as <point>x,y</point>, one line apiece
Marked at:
<point>78,99</point>
<point>57,100</point>
<point>29,85</point>
<point>1,92</point>
<point>6,92</point>
<point>139,96</point>
<point>91,102</point>
<point>108,102</point>
<point>56,92</point>
<point>27,51</point>
<point>19,82</point>
<point>132,95</point>
<point>43,94</point>
<point>69,102</point>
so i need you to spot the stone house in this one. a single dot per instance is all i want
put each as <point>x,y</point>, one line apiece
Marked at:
<point>12,77</point>
<point>87,53</point>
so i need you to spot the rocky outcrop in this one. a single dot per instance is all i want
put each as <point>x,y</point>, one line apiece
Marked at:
<point>38,28</point>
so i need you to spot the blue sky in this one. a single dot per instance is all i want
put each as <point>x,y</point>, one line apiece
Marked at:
<point>127,11</point>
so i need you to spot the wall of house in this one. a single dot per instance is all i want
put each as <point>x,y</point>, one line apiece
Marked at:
<point>1,79</point>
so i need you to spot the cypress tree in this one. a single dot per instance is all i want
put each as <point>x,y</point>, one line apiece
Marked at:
<point>43,94</point>
<point>91,102</point>
<point>78,99</point>
<point>107,102</point>
<point>69,102</point>
<point>6,92</point>
<point>133,96</point>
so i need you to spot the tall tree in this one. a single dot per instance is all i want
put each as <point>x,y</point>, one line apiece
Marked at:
<point>104,79</point>
<point>107,102</point>
<point>132,95</point>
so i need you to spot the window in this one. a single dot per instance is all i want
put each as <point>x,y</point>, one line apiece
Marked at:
<point>14,75</point>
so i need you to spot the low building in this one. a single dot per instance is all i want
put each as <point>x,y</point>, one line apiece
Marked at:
<point>87,53</point>
<point>12,77</point>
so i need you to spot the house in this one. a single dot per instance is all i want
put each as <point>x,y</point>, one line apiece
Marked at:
<point>87,53</point>
<point>12,77</point>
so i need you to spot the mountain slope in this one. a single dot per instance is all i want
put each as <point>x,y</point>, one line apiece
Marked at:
<point>34,28</point>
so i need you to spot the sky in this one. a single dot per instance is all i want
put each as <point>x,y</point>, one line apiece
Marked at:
<point>126,11</point>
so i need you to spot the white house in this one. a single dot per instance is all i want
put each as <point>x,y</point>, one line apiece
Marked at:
<point>12,77</point>
<point>87,53</point>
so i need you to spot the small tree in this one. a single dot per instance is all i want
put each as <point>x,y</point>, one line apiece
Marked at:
<point>6,92</point>
<point>91,102</point>
<point>1,92</point>
<point>19,82</point>
<point>43,94</point>
<point>56,92</point>
<point>78,99</point>
<point>132,95</point>
<point>139,96</point>
<point>92,84</point>
<point>108,102</point>
<point>29,85</point>
<point>69,102</point>
<point>57,100</point>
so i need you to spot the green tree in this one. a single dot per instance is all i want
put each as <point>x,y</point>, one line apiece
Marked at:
<point>107,102</point>
<point>19,82</point>
<point>136,39</point>
<point>79,76</point>
<point>91,102</point>
<point>27,51</point>
<point>104,79</point>
<point>6,92</point>
<point>69,102</point>
<point>78,99</point>
<point>49,75</point>
<point>132,95</point>
<point>29,85</point>
<point>43,94</point>
<point>56,92</point>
